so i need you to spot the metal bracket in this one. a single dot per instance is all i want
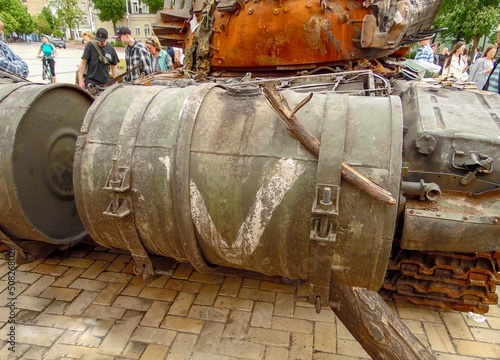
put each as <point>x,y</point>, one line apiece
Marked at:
<point>322,237</point>
<point>325,210</point>
<point>118,182</point>
<point>118,178</point>
<point>474,163</point>
<point>118,207</point>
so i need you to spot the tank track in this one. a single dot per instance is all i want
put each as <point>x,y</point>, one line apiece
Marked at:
<point>454,281</point>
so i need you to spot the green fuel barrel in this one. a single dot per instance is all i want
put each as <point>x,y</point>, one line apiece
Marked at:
<point>39,125</point>
<point>211,176</point>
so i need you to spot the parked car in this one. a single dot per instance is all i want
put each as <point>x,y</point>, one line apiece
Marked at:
<point>58,43</point>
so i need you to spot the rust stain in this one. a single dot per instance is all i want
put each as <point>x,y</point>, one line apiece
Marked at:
<point>315,30</point>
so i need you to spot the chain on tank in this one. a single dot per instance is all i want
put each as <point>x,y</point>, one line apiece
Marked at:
<point>461,282</point>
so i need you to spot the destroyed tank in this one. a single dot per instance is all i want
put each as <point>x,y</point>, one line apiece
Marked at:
<point>432,260</point>
<point>383,186</point>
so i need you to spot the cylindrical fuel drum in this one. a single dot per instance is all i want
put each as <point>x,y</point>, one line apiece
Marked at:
<point>211,176</point>
<point>39,125</point>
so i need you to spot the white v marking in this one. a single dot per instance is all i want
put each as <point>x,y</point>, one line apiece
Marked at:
<point>274,188</point>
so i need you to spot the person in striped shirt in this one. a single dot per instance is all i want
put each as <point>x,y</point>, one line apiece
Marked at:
<point>135,54</point>
<point>493,81</point>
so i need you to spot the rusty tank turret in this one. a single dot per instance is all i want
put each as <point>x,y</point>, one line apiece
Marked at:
<point>286,35</point>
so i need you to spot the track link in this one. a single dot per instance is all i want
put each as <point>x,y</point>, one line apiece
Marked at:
<point>455,281</point>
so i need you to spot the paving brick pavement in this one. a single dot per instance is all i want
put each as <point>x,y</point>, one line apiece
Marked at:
<point>87,304</point>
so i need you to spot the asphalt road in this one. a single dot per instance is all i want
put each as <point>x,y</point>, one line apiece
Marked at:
<point>67,60</point>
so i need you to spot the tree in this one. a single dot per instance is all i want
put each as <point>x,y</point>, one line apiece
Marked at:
<point>110,10</point>
<point>17,17</point>
<point>468,20</point>
<point>68,13</point>
<point>47,18</point>
<point>10,24</point>
<point>154,5</point>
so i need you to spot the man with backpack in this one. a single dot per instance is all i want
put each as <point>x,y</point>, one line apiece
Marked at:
<point>97,59</point>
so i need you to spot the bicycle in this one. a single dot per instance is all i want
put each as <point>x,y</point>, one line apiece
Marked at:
<point>46,73</point>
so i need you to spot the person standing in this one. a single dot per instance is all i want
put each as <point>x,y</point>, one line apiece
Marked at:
<point>161,61</point>
<point>482,68</point>
<point>442,57</point>
<point>98,58</point>
<point>493,83</point>
<point>425,52</point>
<point>477,55</point>
<point>135,54</point>
<point>11,62</point>
<point>49,52</point>
<point>434,53</point>
<point>455,65</point>
<point>86,37</point>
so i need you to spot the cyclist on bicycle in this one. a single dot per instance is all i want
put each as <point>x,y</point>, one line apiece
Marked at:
<point>49,52</point>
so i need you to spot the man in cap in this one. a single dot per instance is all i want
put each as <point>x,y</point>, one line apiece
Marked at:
<point>98,58</point>
<point>425,52</point>
<point>11,62</point>
<point>135,54</point>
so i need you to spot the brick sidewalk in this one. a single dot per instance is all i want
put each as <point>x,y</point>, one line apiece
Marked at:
<point>89,305</point>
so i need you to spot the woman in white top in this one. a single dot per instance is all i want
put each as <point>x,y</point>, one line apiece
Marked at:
<point>482,67</point>
<point>455,65</point>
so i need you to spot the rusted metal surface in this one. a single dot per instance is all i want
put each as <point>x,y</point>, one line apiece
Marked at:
<point>216,179</point>
<point>296,34</point>
<point>458,281</point>
<point>453,223</point>
<point>39,125</point>
<point>172,23</point>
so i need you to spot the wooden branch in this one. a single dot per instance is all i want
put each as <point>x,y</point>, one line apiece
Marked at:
<point>373,323</point>
<point>279,104</point>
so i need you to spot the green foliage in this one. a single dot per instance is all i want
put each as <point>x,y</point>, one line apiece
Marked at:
<point>154,5</point>
<point>9,23</point>
<point>16,17</point>
<point>58,33</point>
<point>48,18</point>
<point>468,20</point>
<point>117,43</point>
<point>110,10</point>
<point>68,13</point>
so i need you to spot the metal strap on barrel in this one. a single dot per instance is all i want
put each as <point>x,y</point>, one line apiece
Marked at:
<point>119,184</point>
<point>181,179</point>
<point>325,207</point>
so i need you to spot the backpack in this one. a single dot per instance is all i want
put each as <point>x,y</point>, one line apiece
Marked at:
<point>102,58</point>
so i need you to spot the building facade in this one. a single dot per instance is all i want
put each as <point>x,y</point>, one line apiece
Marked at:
<point>34,6</point>
<point>138,19</point>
